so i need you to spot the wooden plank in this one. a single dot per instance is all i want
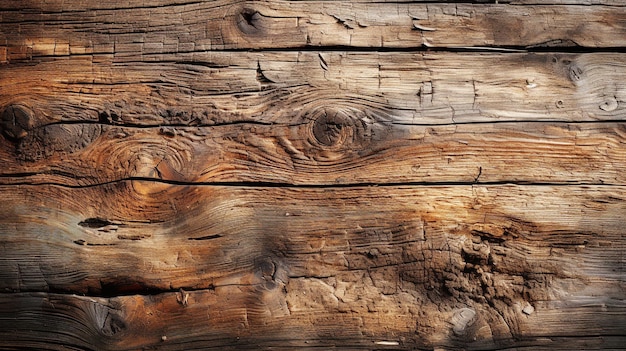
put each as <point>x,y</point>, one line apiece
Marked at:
<point>419,267</point>
<point>312,174</point>
<point>266,117</point>
<point>310,153</point>
<point>96,27</point>
<point>85,5</point>
<point>286,87</point>
<point>223,319</point>
<point>617,3</point>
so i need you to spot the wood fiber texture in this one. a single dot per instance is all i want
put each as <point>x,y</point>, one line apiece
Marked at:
<point>357,175</point>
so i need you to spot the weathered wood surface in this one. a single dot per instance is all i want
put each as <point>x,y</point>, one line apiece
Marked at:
<point>263,117</point>
<point>459,265</point>
<point>583,153</point>
<point>289,87</point>
<point>161,322</point>
<point>61,28</point>
<point>277,175</point>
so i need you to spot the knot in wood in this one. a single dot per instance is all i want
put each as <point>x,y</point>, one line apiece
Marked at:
<point>266,270</point>
<point>16,121</point>
<point>48,140</point>
<point>569,67</point>
<point>248,21</point>
<point>333,128</point>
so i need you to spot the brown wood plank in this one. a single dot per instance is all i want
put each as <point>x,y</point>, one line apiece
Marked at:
<point>446,266</point>
<point>366,175</point>
<point>617,3</point>
<point>286,87</point>
<point>269,117</point>
<point>57,28</point>
<point>239,318</point>
<point>306,153</point>
<point>84,5</point>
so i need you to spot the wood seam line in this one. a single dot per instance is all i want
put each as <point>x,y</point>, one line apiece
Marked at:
<point>366,49</point>
<point>244,184</point>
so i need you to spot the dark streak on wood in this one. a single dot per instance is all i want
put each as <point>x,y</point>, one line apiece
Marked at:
<point>207,237</point>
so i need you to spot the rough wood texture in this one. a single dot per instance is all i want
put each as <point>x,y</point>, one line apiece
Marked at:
<point>289,87</point>
<point>304,118</point>
<point>199,26</point>
<point>87,154</point>
<point>446,266</point>
<point>359,175</point>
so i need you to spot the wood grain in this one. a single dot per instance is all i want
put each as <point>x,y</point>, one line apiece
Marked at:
<point>283,87</point>
<point>85,5</point>
<point>260,264</point>
<point>273,117</point>
<point>359,153</point>
<point>221,319</point>
<point>55,28</point>
<point>354,175</point>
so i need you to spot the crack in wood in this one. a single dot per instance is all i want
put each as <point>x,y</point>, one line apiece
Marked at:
<point>207,237</point>
<point>252,184</point>
<point>96,222</point>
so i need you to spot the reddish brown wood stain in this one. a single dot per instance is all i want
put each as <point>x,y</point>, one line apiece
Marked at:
<point>309,175</point>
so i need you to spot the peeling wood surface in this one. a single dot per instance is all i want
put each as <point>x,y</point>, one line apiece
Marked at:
<point>312,174</point>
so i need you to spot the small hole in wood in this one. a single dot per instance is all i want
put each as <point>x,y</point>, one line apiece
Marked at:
<point>248,16</point>
<point>94,223</point>
<point>115,117</point>
<point>247,21</point>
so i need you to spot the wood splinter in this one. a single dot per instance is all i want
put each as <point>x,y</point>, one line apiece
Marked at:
<point>182,297</point>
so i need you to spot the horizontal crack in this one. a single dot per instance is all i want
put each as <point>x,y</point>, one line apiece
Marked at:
<point>116,7</point>
<point>530,342</point>
<point>512,121</point>
<point>207,237</point>
<point>100,8</point>
<point>365,49</point>
<point>251,184</point>
<point>112,290</point>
